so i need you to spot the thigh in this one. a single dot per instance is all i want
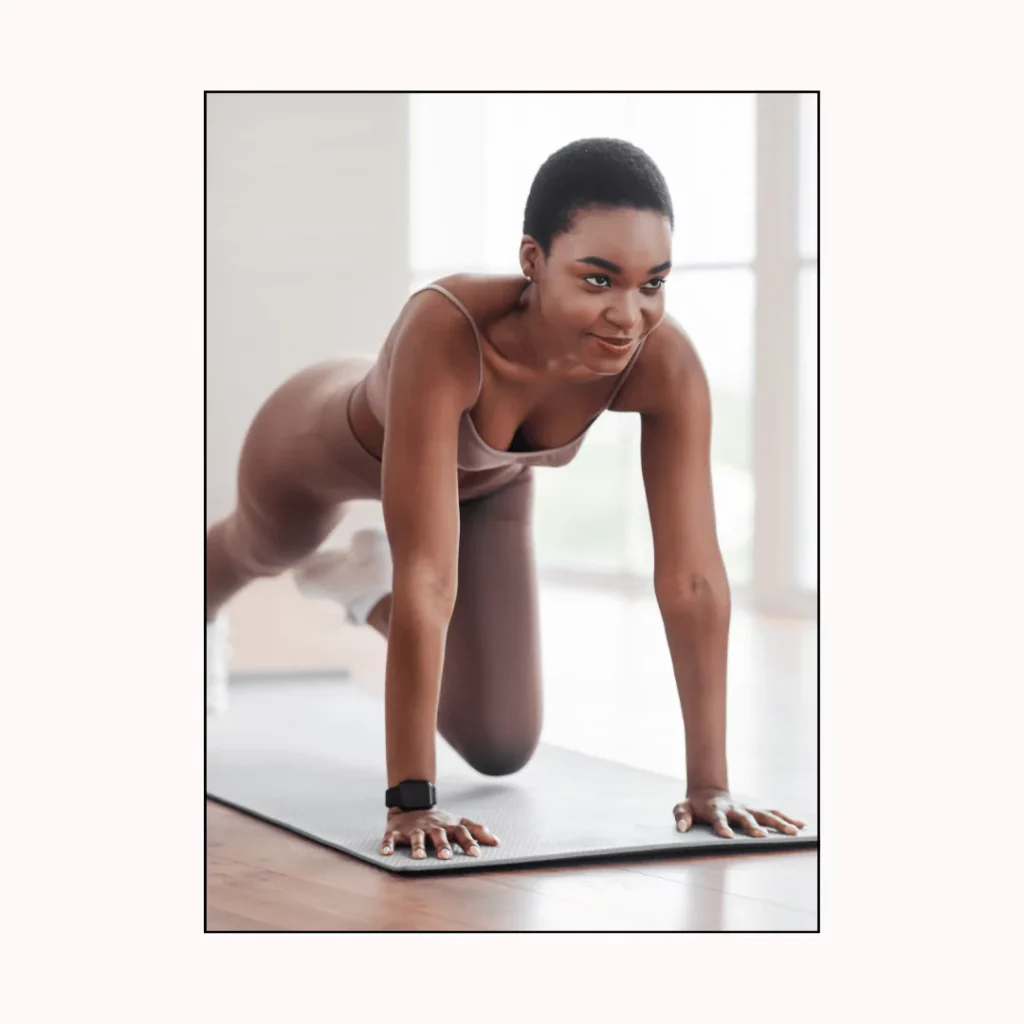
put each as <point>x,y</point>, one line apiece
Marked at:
<point>298,468</point>
<point>490,706</point>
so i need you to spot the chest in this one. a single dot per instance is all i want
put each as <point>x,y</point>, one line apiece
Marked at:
<point>513,418</point>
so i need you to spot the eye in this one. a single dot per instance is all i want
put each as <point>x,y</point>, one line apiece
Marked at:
<point>658,281</point>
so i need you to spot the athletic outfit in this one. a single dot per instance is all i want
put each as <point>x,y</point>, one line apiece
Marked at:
<point>301,463</point>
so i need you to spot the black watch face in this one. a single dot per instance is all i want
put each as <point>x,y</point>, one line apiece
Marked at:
<point>416,792</point>
<point>414,795</point>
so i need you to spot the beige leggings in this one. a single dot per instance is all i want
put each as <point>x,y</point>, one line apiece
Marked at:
<point>300,465</point>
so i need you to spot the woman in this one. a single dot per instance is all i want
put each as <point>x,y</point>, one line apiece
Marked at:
<point>480,379</point>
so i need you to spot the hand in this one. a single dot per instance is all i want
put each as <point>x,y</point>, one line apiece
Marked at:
<point>717,808</point>
<point>410,828</point>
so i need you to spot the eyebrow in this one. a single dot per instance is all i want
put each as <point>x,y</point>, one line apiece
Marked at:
<point>616,269</point>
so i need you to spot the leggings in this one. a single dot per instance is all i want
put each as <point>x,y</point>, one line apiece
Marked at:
<point>300,465</point>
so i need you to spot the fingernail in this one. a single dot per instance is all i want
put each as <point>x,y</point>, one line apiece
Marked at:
<point>445,854</point>
<point>474,851</point>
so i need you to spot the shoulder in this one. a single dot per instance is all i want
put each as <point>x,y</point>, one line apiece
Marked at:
<point>668,376</point>
<point>487,297</point>
<point>433,341</point>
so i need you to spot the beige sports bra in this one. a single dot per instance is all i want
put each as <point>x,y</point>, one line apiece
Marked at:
<point>474,453</point>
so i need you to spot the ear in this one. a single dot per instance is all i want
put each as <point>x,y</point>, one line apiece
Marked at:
<point>530,257</point>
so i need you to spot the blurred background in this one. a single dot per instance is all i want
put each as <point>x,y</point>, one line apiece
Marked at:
<point>325,211</point>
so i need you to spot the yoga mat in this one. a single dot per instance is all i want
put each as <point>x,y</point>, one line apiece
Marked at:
<point>308,756</point>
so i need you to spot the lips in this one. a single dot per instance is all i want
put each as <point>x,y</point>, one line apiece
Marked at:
<point>614,342</point>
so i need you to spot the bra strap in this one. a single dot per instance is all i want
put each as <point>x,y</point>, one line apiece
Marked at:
<point>625,373</point>
<point>465,312</point>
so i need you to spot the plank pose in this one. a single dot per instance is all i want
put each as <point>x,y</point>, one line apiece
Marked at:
<point>480,379</point>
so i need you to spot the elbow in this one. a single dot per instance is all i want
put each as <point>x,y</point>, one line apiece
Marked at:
<point>695,598</point>
<point>425,590</point>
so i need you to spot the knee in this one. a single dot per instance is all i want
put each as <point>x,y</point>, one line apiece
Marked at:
<point>252,553</point>
<point>268,538</point>
<point>500,757</point>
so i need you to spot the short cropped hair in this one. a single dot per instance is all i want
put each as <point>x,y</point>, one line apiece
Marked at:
<point>592,173</point>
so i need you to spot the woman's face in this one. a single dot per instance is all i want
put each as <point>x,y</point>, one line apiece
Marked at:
<point>603,283</point>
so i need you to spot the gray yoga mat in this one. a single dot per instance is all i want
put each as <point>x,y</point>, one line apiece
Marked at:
<point>309,756</point>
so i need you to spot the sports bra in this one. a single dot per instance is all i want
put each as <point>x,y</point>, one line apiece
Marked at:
<point>474,453</point>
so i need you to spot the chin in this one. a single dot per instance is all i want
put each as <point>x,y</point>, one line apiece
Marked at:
<point>601,363</point>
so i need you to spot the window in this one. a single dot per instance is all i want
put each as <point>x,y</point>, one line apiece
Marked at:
<point>808,454</point>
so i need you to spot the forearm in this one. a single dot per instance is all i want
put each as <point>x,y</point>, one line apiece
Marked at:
<point>417,632</point>
<point>698,643</point>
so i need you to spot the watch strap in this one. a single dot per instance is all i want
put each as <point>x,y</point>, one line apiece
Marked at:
<point>412,795</point>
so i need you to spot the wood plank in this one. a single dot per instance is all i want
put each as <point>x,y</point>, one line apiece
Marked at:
<point>289,901</point>
<point>659,903</point>
<point>788,878</point>
<point>272,876</point>
<point>218,920</point>
<point>255,852</point>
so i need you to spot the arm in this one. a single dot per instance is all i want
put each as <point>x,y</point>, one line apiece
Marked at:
<point>690,581</point>
<point>433,379</point>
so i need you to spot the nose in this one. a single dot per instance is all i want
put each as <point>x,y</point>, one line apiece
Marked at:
<point>624,316</point>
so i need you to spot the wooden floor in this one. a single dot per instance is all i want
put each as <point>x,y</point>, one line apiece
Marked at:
<point>262,878</point>
<point>616,700</point>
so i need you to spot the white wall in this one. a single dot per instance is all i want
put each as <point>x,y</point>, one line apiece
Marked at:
<point>307,247</point>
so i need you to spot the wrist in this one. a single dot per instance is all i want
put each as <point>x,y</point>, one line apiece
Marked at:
<point>411,795</point>
<point>706,786</point>
<point>707,770</point>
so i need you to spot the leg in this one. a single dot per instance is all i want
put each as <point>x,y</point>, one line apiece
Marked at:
<point>225,574</point>
<point>244,547</point>
<point>491,706</point>
<point>299,465</point>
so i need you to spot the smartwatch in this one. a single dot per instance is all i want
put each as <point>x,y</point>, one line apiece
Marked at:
<point>412,795</point>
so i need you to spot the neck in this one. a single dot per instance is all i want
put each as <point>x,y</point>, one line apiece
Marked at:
<point>536,348</point>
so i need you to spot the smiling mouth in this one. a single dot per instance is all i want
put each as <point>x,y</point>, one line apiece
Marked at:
<point>614,342</point>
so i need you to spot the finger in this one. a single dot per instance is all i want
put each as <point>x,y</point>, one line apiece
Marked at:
<point>744,818</point>
<point>418,843</point>
<point>683,812</point>
<point>387,846</point>
<point>768,818</point>
<point>721,824</point>
<point>440,840</point>
<point>481,832</point>
<point>465,839</point>
<point>786,817</point>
